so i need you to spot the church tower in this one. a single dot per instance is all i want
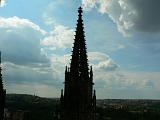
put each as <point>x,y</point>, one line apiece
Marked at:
<point>2,94</point>
<point>78,99</point>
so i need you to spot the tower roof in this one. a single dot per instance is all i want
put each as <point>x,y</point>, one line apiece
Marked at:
<point>79,61</point>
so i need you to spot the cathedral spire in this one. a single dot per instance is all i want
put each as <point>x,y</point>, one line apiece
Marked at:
<point>78,102</point>
<point>79,61</point>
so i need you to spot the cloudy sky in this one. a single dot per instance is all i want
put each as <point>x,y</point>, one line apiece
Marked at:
<point>123,43</point>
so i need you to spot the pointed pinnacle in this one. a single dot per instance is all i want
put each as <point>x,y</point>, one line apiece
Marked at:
<point>66,69</point>
<point>62,93</point>
<point>0,57</point>
<point>91,68</point>
<point>94,93</point>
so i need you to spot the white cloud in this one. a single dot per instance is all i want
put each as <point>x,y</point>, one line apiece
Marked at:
<point>25,74</point>
<point>129,80</point>
<point>25,79</point>
<point>62,60</point>
<point>2,3</point>
<point>20,41</point>
<point>127,84</point>
<point>20,23</point>
<point>24,62</point>
<point>60,37</point>
<point>88,4</point>
<point>143,79</point>
<point>118,11</point>
<point>101,61</point>
<point>129,15</point>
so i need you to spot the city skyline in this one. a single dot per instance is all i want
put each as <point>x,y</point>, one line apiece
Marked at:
<point>122,43</point>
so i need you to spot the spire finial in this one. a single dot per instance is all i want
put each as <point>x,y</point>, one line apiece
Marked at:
<point>80,11</point>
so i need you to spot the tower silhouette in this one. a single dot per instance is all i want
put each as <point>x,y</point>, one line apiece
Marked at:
<point>78,100</point>
<point>2,94</point>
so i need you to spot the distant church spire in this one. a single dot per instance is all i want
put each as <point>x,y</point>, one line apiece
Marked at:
<point>2,94</point>
<point>78,101</point>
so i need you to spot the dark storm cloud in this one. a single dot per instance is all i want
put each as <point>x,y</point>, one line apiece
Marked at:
<point>148,16</point>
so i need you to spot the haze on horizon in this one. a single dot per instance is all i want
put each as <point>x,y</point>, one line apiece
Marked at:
<point>123,44</point>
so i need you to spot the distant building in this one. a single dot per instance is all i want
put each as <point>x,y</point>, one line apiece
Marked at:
<point>2,94</point>
<point>78,100</point>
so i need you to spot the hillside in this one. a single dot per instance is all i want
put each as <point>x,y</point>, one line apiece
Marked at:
<point>37,108</point>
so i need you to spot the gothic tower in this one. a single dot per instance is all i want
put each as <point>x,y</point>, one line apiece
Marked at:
<point>2,94</point>
<point>78,99</point>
